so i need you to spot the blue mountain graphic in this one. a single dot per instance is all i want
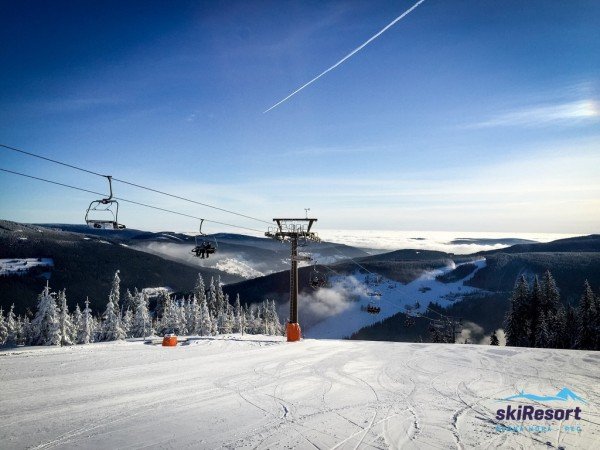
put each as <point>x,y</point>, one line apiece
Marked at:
<point>563,395</point>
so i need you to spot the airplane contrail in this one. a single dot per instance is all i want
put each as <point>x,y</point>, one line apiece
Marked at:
<point>353,52</point>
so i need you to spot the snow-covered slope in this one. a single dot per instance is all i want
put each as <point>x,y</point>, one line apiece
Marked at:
<point>350,315</point>
<point>260,392</point>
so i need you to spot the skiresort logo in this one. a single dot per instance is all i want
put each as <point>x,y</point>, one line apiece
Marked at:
<point>563,395</point>
<point>524,413</point>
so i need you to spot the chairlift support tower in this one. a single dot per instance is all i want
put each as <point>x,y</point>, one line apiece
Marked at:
<point>291,230</point>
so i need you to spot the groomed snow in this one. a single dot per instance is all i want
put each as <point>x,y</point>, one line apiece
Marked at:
<point>260,392</point>
<point>22,266</point>
<point>395,298</point>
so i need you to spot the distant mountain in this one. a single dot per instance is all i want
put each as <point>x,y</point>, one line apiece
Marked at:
<point>244,256</point>
<point>490,241</point>
<point>570,269</point>
<point>571,261</point>
<point>85,264</point>
<point>587,244</point>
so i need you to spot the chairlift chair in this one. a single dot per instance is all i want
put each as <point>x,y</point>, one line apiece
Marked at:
<point>317,280</point>
<point>205,248</point>
<point>372,308</point>
<point>104,213</point>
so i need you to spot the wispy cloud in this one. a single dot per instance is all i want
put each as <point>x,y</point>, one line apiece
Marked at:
<point>569,113</point>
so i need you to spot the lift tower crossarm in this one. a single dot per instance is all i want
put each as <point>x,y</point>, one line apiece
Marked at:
<point>289,229</point>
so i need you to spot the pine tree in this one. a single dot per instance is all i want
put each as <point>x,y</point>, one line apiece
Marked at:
<point>200,289</point>
<point>20,330</point>
<point>3,328</point>
<point>168,321</point>
<point>86,325</point>
<point>126,322</point>
<point>238,323</point>
<point>26,332</point>
<point>142,322</point>
<point>542,337</point>
<point>45,327</point>
<point>212,298</point>
<point>112,329</point>
<point>586,312</point>
<point>494,339</point>
<point>12,327</point>
<point>550,295</point>
<point>194,316</point>
<point>597,321</point>
<point>180,319</point>
<point>515,325</point>
<point>535,310</point>
<point>276,326</point>
<point>77,315</point>
<point>129,301</point>
<point>205,327</point>
<point>220,301</point>
<point>115,293</point>
<point>64,320</point>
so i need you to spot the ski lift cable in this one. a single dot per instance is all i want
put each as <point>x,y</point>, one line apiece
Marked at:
<point>128,201</point>
<point>91,172</point>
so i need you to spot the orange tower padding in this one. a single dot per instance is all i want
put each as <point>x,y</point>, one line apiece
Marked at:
<point>170,340</point>
<point>293,332</point>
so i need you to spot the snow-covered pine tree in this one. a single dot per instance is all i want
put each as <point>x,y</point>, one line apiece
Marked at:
<point>220,302</point>
<point>226,320</point>
<point>26,337</point>
<point>3,328</point>
<point>115,293</point>
<point>142,322</point>
<point>180,319</point>
<point>277,328</point>
<point>194,316</point>
<point>253,324</point>
<point>86,326</point>
<point>64,319</point>
<point>515,325</point>
<point>45,326</point>
<point>126,322</point>
<point>238,322</point>
<point>586,313</point>
<point>200,289</point>
<point>215,326</point>
<point>128,301</point>
<point>76,323</point>
<point>267,319</point>
<point>205,326</point>
<point>98,331</point>
<point>12,327</point>
<point>494,339</point>
<point>187,316</point>
<point>170,321</point>
<point>20,330</point>
<point>212,298</point>
<point>112,330</point>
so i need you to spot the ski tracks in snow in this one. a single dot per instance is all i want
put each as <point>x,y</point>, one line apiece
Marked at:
<point>247,393</point>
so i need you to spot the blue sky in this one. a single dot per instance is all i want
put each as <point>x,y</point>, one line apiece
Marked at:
<point>466,115</point>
